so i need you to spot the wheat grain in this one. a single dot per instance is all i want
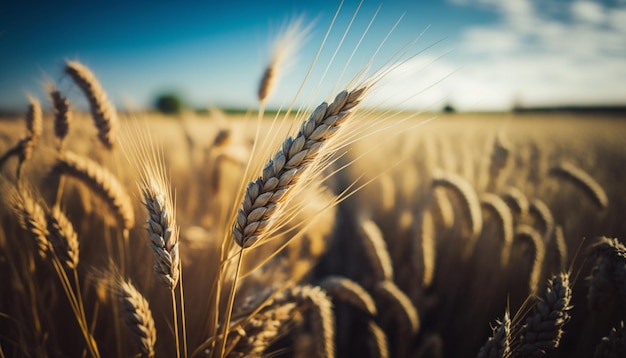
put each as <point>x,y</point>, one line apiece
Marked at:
<point>344,289</point>
<point>376,250</point>
<point>583,181</point>
<point>102,111</point>
<point>544,328</point>
<point>498,210</point>
<point>101,182</point>
<point>264,195</point>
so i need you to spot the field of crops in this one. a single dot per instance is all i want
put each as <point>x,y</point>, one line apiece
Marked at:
<point>335,230</point>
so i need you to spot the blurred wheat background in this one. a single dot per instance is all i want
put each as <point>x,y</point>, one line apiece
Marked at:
<point>330,219</point>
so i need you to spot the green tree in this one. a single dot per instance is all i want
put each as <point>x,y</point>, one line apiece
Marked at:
<point>168,103</point>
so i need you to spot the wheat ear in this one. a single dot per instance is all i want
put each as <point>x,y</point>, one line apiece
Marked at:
<point>260,331</point>
<point>34,127</point>
<point>498,210</point>
<point>608,276</point>
<point>264,195</point>
<point>34,119</point>
<point>376,250</point>
<point>101,182</point>
<point>377,342</point>
<point>613,345</point>
<point>442,208</point>
<point>500,155</point>
<point>470,205</point>
<point>62,116</point>
<point>544,327</point>
<point>285,46</point>
<point>31,217</point>
<point>529,235</point>
<point>137,315</point>
<point>499,344</point>
<point>582,180</point>
<point>424,248</point>
<point>63,237</point>
<point>400,305</point>
<point>102,111</point>
<point>516,200</point>
<point>346,290</point>
<point>314,301</point>
<point>161,227</point>
<point>543,216</point>
<point>430,347</point>
<point>559,245</point>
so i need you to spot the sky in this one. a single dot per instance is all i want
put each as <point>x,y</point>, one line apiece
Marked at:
<point>472,54</point>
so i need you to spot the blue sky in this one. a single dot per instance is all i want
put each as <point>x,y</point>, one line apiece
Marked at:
<point>478,54</point>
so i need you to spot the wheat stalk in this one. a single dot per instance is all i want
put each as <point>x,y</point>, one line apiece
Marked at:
<point>264,195</point>
<point>583,181</point>
<point>544,328</point>
<point>101,182</point>
<point>102,111</point>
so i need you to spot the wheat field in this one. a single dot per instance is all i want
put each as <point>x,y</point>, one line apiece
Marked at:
<point>335,230</point>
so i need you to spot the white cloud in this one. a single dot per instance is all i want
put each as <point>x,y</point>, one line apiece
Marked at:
<point>566,54</point>
<point>588,11</point>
